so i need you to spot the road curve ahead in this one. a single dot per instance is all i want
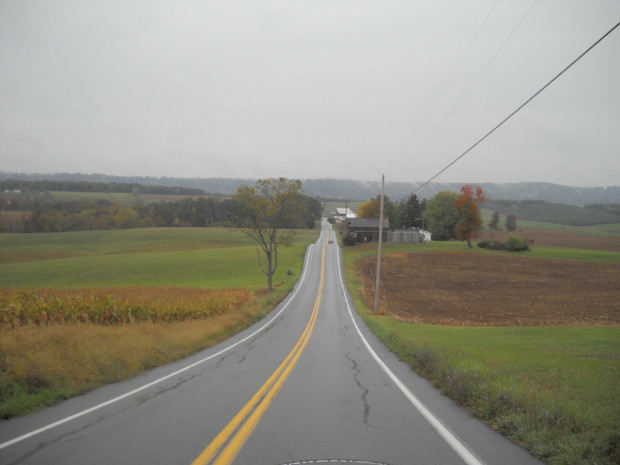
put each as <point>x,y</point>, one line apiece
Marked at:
<point>308,384</point>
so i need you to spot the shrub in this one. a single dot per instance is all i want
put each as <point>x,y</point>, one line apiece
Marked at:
<point>348,240</point>
<point>515,243</point>
<point>492,245</point>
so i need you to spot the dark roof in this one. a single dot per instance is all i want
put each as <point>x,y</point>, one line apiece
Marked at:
<point>368,223</point>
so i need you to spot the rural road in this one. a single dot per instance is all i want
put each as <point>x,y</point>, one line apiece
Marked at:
<point>308,384</point>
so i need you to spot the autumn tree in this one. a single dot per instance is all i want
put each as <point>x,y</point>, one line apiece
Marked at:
<point>263,211</point>
<point>369,209</point>
<point>467,205</point>
<point>372,208</point>
<point>441,216</point>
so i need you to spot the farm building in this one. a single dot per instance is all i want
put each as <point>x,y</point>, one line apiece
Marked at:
<point>414,235</point>
<point>341,214</point>
<point>367,229</point>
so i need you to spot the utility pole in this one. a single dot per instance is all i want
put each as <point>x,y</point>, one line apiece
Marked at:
<point>378,282</point>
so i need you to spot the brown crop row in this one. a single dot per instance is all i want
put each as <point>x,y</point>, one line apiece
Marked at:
<point>43,307</point>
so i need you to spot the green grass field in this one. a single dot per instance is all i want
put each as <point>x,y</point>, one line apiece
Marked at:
<point>122,198</point>
<point>596,230</point>
<point>189,257</point>
<point>27,247</point>
<point>125,199</point>
<point>553,389</point>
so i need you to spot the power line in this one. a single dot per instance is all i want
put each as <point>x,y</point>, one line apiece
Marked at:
<point>519,108</point>
<point>458,103</point>
<point>430,107</point>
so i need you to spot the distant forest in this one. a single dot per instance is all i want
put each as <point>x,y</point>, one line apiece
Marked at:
<point>63,205</point>
<point>48,185</point>
<point>343,189</point>
<point>36,206</point>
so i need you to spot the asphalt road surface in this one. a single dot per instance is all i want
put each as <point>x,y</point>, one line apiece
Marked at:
<point>308,384</point>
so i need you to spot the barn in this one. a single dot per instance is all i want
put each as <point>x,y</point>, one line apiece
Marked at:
<point>367,229</point>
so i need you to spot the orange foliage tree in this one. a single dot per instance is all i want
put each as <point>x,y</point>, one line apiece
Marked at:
<point>370,209</point>
<point>467,205</point>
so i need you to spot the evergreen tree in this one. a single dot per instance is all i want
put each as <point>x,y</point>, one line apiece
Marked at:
<point>411,211</point>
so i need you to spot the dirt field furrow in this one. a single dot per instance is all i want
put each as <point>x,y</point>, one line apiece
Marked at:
<point>495,290</point>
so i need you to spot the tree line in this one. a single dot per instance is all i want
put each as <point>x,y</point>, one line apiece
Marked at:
<point>41,213</point>
<point>447,215</point>
<point>405,214</point>
<point>8,185</point>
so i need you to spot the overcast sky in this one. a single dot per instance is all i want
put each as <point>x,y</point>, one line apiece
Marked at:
<point>311,89</point>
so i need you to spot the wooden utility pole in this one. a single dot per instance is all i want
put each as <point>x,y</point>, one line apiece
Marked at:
<point>378,282</point>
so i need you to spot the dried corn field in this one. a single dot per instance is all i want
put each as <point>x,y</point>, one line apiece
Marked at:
<point>117,306</point>
<point>453,288</point>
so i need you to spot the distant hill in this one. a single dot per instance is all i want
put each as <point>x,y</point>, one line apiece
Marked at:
<point>364,190</point>
<point>539,210</point>
<point>344,189</point>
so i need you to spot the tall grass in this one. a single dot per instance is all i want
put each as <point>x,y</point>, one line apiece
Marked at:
<point>39,366</point>
<point>42,364</point>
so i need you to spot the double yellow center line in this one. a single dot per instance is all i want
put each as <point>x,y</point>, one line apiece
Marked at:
<point>227,444</point>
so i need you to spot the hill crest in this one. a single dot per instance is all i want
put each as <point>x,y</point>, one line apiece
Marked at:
<point>353,190</point>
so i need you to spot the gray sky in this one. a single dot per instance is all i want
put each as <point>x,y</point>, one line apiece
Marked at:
<point>311,89</point>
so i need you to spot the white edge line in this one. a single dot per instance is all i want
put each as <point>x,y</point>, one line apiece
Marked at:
<point>449,436</point>
<point>164,378</point>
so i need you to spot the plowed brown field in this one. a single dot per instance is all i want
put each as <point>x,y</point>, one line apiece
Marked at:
<point>454,288</point>
<point>558,237</point>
